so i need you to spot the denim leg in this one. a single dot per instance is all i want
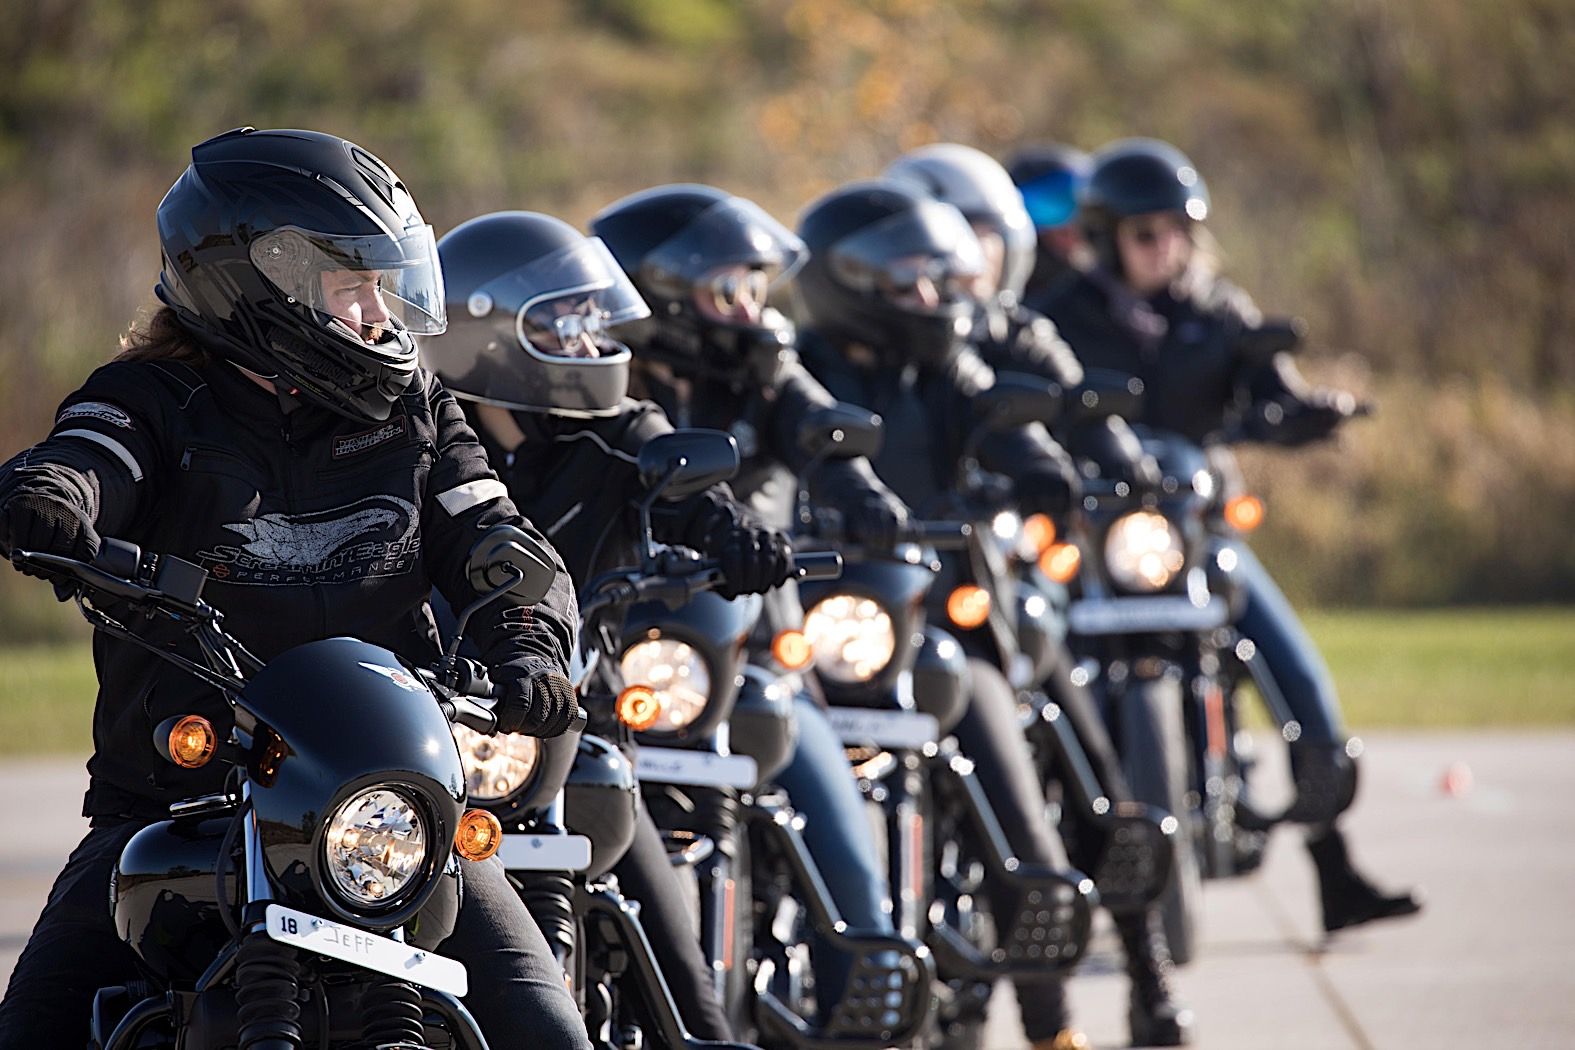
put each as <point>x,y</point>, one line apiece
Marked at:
<point>837,822</point>
<point>73,951</point>
<point>517,992</point>
<point>1272,625</point>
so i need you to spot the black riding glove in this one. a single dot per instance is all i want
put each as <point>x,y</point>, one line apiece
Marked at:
<point>876,521</point>
<point>754,558</point>
<point>542,703</point>
<point>37,523</point>
<point>1047,490</point>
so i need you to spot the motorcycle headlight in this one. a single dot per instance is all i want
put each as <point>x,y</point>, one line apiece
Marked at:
<point>376,844</point>
<point>851,637</point>
<point>1143,551</point>
<point>1006,530</point>
<point>496,766</point>
<point>676,673</point>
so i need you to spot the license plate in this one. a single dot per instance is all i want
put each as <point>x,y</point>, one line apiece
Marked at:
<point>863,727</point>
<point>545,852</point>
<point>1145,615</point>
<point>671,765</point>
<point>373,951</point>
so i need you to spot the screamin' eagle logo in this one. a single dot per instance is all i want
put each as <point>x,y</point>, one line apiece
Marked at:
<point>373,536</point>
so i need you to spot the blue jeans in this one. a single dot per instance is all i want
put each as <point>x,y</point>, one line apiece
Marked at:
<point>1291,656</point>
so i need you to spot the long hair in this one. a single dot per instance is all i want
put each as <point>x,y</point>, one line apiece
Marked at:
<point>160,336</point>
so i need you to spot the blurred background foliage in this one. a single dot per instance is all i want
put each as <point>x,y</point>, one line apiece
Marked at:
<point>1399,172</point>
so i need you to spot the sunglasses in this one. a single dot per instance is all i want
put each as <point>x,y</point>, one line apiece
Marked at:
<point>1148,234</point>
<point>739,289</point>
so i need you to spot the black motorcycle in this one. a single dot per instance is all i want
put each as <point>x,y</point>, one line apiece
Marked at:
<point>896,686</point>
<point>300,904</point>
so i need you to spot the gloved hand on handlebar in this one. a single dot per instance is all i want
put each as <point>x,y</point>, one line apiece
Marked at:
<point>755,558</point>
<point>1046,490</point>
<point>38,523</point>
<point>1311,417</point>
<point>540,703</point>
<point>876,521</point>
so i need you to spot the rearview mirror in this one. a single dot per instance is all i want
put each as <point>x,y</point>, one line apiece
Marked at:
<point>685,462</point>
<point>1018,399</point>
<point>1104,393</point>
<point>503,547</point>
<point>1278,335</point>
<point>840,431</point>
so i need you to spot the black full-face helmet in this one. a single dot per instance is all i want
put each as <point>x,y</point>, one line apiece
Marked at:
<point>892,268</point>
<point>302,257</point>
<point>976,185</point>
<point>1138,177</point>
<point>533,304</point>
<point>707,262</point>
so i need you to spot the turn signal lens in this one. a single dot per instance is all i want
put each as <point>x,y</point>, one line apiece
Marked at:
<point>479,835</point>
<point>1060,562</point>
<point>968,606</point>
<point>192,742</point>
<point>792,649</point>
<point>1244,513</point>
<point>638,707</point>
<point>1040,531</point>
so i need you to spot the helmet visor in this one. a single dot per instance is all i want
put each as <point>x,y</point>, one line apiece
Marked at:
<point>730,233</point>
<point>924,260</point>
<point>374,285</point>
<point>1051,198</point>
<point>570,299</point>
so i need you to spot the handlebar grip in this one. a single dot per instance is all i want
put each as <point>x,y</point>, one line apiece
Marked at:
<point>817,565</point>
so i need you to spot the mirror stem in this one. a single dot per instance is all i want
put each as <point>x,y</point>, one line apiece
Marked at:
<point>451,651</point>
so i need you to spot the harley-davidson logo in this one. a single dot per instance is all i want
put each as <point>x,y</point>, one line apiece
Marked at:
<point>350,444</point>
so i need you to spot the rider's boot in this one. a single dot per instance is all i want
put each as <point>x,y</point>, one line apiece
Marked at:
<point>1157,1019</point>
<point>1047,1011</point>
<point>1348,898</point>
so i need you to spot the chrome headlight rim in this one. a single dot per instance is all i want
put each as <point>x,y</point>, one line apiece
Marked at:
<point>435,849</point>
<point>829,656</point>
<point>1144,551</point>
<point>689,661</point>
<point>468,740</point>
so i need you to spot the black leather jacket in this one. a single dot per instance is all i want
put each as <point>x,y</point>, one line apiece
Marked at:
<point>929,415</point>
<point>1187,351</point>
<point>310,525</point>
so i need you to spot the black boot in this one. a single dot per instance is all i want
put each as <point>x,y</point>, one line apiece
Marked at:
<point>1348,898</point>
<point>1155,1016</point>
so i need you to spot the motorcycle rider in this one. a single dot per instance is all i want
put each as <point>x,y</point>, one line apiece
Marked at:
<point>533,354</point>
<point>250,426</point>
<point>888,314</point>
<point>1051,179</point>
<point>1011,337</point>
<point>1155,306</point>
<point>714,354</point>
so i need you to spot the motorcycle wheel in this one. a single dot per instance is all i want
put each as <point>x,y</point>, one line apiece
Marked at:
<point>1156,758</point>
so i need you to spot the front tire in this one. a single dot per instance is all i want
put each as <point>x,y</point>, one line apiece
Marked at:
<point>1157,761</point>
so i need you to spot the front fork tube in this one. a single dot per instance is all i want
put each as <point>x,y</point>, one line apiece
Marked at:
<point>717,818</point>
<point>907,840</point>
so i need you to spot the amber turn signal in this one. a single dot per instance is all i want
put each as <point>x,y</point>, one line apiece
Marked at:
<point>192,742</point>
<point>1244,513</point>
<point>792,649</point>
<point>1060,562</point>
<point>1040,531</point>
<point>968,606</point>
<point>479,835</point>
<point>638,707</point>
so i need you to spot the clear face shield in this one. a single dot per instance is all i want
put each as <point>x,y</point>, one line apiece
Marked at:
<point>925,261</point>
<point>727,261</point>
<point>370,287</point>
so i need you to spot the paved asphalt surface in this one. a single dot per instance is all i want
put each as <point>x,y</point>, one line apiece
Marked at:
<point>1488,964</point>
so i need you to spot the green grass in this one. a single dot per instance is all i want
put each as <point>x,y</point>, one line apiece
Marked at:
<point>1434,669</point>
<point>1452,667</point>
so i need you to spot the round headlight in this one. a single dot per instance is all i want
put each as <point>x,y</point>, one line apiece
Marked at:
<point>851,637</point>
<point>676,673</point>
<point>1006,531</point>
<point>496,766</point>
<point>376,844</point>
<point>1143,551</point>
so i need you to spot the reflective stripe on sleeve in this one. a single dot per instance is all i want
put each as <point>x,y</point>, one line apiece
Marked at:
<point>121,452</point>
<point>471,494</point>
